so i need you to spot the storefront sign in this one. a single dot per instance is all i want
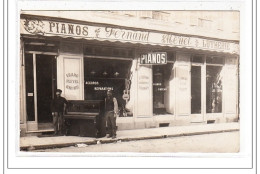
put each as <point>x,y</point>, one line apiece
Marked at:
<point>92,32</point>
<point>156,58</point>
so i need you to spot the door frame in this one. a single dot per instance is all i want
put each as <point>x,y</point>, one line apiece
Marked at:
<point>33,125</point>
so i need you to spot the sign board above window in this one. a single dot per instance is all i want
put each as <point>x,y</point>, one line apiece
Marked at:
<point>54,27</point>
<point>155,58</point>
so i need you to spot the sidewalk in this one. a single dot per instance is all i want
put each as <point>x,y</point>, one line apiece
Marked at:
<point>33,142</point>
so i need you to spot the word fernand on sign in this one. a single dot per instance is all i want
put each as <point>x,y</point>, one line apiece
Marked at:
<point>155,58</point>
<point>92,32</point>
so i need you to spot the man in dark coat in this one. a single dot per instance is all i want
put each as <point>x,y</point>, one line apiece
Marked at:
<point>111,113</point>
<point>58,108</point>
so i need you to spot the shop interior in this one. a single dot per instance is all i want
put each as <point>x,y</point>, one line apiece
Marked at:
<point>214,75</point>
<point>108,68</point>
<point>214,89</point>
<point>161,77</point>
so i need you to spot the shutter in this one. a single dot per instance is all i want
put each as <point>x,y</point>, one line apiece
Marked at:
<point>144,91</point>
<point>183,84</point>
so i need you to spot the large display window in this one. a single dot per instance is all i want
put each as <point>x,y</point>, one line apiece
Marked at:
<point>161,77</point>
<point>214,76</point>
<point>101,75</point>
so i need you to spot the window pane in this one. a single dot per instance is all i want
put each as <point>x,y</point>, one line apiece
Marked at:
<point>214,89</point>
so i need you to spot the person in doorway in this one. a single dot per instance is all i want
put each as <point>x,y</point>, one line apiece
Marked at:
<point>58,108</point>
<point>111,113</point>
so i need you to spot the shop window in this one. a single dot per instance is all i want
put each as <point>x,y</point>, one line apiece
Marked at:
<point>103,74</point>
<point>214,89</point>
<point>161,76</point>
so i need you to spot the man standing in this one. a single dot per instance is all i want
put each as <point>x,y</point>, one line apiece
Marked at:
<point>111,112</point>
<point>58,107</point>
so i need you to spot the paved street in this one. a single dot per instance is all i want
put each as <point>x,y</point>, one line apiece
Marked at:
<point>217,142</point>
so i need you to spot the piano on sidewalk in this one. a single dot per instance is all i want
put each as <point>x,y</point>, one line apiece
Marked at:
<point>82,117</point>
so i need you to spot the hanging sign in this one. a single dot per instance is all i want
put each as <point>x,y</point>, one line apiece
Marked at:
<point>155,58</point>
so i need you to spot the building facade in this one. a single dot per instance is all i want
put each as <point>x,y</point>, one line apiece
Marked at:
<point>166,68</point>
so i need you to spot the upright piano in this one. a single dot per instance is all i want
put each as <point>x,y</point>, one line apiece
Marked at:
<point>82,118</point>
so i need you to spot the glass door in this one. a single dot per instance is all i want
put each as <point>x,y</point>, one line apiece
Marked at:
<point>40,75</point>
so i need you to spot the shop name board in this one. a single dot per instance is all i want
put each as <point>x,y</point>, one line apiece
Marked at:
<point>101,33</point>
<point>156,58</point>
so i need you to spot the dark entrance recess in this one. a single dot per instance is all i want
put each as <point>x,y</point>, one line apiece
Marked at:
<point>29,87</point>
<point>46,84</point>
<point>195,89</point>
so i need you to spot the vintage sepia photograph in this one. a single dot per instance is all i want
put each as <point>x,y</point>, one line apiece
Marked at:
<point>143,81</point>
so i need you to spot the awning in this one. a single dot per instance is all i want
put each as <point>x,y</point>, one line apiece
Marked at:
<point>104,33</point>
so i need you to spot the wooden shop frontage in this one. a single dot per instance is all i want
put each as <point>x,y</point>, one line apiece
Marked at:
<point>159,78</point>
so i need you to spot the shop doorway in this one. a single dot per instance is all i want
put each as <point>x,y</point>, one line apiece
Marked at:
<point>46,75</point>
<point>40,75</point>
<point>197,90</point>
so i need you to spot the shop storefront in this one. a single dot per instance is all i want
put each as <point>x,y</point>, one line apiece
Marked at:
<point>159,79</point>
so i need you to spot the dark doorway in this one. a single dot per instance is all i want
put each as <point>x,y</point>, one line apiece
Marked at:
<point>195,89</point>
<point>46,84</point>
<point>29,87</point>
